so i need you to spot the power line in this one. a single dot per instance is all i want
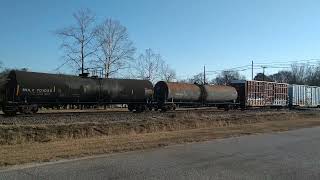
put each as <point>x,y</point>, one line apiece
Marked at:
<point>230,69</point>
<point>269,65</point>
<point>304,61</point>
<point>279,64</point>
<point>259,66</point>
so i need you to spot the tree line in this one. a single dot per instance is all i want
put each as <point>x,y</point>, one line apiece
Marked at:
<point>304,74</point>
<point>223,78</point>
<point>105,49</point>
<point>298,74</point>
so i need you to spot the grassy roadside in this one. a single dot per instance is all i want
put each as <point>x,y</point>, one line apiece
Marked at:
<point>86,146</point>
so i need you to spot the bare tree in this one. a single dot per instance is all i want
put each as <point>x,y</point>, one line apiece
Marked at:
<point>78,39</point>
<point>197,79</point>
<point>299,73</point>
<point>168,74</point>
<point>262,77</point>
<point>148,66</point>
<point>226,77</point>
<point>306,74</point>
<point>115,47</point>
<point>282,77</point>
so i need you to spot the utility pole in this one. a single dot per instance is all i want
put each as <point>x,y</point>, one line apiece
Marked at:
<point>251,70</point>
<point>263,67</point>
<point>204,74</point>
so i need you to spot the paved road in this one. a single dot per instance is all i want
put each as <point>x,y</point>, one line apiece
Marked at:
<point>288,155</point>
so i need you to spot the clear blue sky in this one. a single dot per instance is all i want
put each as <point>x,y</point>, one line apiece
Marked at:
<point>188,33</point>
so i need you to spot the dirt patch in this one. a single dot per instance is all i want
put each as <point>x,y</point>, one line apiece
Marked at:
<point>47,142</point>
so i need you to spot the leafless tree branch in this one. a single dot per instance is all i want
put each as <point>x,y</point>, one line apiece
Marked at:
<point>148,66</point>
<point>78,39</point>
<point>115,47</point>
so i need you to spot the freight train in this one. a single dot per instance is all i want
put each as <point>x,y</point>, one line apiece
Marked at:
<point>26,92</point>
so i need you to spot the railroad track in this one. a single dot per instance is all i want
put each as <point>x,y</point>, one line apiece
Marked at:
<point>108,116</point>
<point>106,112</point>
<point>94,112</point>
<point>76,113</point>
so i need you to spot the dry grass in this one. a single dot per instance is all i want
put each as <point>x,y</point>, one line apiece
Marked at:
<point>76,141</point>
<point>17,133</point>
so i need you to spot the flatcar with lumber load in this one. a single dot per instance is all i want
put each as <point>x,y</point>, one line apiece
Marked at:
<point>261,94</point>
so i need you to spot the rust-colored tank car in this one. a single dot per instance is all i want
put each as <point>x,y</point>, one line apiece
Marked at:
<point>218,93</point>
<point>261,93</point>
<point>170,94</point>
<point>29,90</point>
<point>176,92</point>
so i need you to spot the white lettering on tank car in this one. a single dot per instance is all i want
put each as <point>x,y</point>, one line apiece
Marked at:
<point>39,91</point>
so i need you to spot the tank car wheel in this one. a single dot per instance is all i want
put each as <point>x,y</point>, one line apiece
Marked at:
<point>20,109</point>
<point>130,107</point>
<point>9,113</point>
<point>226,108</point>
<point>12,113</point>
<point>156,108</point>
<point>35,110</point>
<point>174,107</point>
<point>143,108</point>
<point>139,108</point>
<point>164,109</point>
<point>147,108</point>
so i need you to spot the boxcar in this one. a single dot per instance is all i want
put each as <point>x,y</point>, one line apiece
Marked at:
<point>304,96</point>
<point>261,93</point>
